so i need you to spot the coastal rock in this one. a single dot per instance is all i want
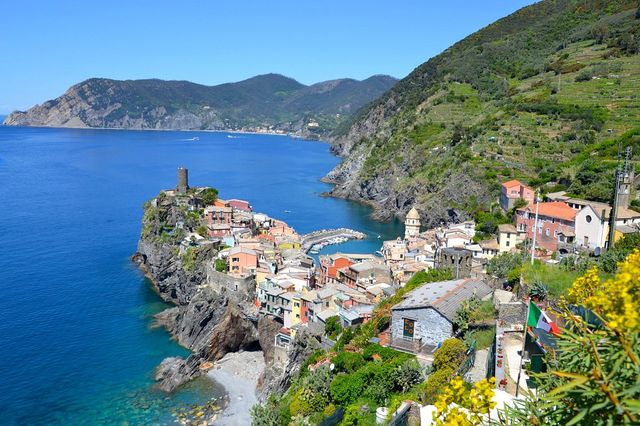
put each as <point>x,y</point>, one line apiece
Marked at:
<point>277,376</point>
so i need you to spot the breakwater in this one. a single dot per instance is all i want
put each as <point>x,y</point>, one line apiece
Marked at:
<point>315,241</point>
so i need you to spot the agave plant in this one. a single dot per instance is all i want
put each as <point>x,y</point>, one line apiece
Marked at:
<point>538,292</point>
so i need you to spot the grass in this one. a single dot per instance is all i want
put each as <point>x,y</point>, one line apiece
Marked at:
<point>553,277</point>
<point>483,337</point>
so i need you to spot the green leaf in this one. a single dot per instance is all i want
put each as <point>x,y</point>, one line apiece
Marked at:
<point>578,417</point>
<point>572,384</point>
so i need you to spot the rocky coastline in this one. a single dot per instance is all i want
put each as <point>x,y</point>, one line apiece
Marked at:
<point>214,314</point>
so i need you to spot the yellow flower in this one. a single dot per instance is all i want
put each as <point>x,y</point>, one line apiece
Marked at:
<point>615,300</point>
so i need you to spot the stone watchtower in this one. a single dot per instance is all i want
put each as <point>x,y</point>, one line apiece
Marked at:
<point>183,180</point>
<point>412,224</point>
<point>457,259</point>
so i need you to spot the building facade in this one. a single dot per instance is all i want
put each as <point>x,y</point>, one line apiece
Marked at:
<point>553,218</point>
<point>512,191</point>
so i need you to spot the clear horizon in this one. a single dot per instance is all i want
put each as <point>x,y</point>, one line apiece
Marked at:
<point>53,46</point>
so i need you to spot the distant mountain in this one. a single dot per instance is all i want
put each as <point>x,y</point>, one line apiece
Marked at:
<point>548,95</point>
<point>265,102</point>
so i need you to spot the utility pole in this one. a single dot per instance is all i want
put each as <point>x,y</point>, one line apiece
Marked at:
<point>535,230</point>
<point>621,172</point>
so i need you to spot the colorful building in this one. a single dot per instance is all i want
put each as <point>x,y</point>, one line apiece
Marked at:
<point>554,218</point>
<point>507,237</point>
<point>242,261</point>
<point>512,191</point>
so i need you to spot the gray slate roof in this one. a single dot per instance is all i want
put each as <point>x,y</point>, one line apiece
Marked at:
<point>444,296</point>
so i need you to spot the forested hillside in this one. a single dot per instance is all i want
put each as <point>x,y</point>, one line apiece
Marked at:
<point>548,95</point>
<point>269,102</point>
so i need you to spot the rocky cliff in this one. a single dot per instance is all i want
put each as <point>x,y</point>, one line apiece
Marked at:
<point>214,313</point>
<point>267,102</point>
<point>534,96</point>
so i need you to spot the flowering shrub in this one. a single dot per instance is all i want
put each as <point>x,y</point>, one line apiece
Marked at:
<point>460,406</point>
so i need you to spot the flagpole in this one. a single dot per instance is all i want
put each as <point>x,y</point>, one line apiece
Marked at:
<point>535,229</point>
<point>524,340</point>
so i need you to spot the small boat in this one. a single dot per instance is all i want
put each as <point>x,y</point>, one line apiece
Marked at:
<point>379,237</point>
<point>314,252</point>
<point>287,211</point>
<point>195,138</point>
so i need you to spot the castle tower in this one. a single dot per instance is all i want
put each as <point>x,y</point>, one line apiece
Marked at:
<point>412,224</point>
<point>183,180</point>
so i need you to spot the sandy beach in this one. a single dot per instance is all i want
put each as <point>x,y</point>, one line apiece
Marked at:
<point>238,373</point>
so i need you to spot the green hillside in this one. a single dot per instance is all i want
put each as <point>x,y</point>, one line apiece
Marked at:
<point>547,95</point>
<point>269,101</point>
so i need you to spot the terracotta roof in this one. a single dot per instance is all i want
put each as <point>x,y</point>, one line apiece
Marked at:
<point>511,183</point>
<point>555,209</point>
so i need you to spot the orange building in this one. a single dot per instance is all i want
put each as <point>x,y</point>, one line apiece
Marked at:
<point>242,261</point>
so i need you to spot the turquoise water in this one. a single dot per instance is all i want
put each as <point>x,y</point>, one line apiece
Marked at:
<point>75,315</point>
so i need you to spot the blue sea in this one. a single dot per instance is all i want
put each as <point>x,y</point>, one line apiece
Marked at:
<point>75,315</point>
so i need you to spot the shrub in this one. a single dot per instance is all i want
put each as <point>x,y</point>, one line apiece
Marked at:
<point>264,415</point>
<point>450,355</point>
<point>502,264</point>
<point>377,392</point>
<point>333,327</point>
<point>405,375</point>
<point>354,416</point>
<point>594,376</point>
<point>431,388</point>
<point>346,388</point>
<point>329,410</point>
<point>300,404</point>
<point>221,265</point>
<point>348,362</point>
<point>209,196</point>
<point>374,348</point>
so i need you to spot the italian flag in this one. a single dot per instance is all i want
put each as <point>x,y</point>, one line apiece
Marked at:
<point>539,319</point>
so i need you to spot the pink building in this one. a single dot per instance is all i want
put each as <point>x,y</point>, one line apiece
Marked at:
<point>218,221</point>
<point>513,190</point>
<point>218,215</point>
<point>242,261</point>
<point>553,218</point>
<point>239,204</point>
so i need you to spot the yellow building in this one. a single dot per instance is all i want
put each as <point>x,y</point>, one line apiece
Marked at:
<point>507,237</point>
<point>296,309</point>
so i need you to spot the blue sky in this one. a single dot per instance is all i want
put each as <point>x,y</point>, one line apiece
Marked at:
<point>46,46</point>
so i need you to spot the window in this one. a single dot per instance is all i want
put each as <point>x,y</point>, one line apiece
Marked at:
<point>408,328</point>
<point>555,234</point>
<point>588,218</point>
<point>507,243</point>
<point>546,232</point>
<point>296,304</point>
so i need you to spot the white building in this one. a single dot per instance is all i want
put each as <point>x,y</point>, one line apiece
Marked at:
<point>592,224</point>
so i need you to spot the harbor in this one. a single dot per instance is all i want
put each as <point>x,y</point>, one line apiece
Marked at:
<point>317,240</point>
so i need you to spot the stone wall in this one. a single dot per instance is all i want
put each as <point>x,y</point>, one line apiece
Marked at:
<point>432,327</point>
<point>245,288</point>
<point>512,314</point>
